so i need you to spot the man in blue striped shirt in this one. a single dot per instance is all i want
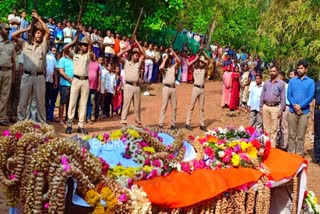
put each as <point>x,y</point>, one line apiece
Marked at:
<point>300,94</point>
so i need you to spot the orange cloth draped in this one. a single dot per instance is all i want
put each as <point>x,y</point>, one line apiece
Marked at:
<point>181,189</point>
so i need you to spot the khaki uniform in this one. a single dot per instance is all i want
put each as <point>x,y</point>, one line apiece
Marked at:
<point>169,93</point>
<point>197,93</point>
<point>79,86</point>
<point>15,93</point>
<point>131,91</point>
<point>33,79</point>
<point>7,52</point>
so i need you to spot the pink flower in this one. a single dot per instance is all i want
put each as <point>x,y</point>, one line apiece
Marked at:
<point>269,184</point>
<point>250,130</point>
<point>35,173</point>
<point>244,156</point>
<point>147,161</point>
<point>209,152</point>
<point>171,156</point>
<point>226,159</point>
<point>66,168</point>
<point>6,133</point>
<point>64,160</point>
<point>12,176</point>
<point>83,152</point>
<point>228,152</point>
<point>153,173</point>
<point>191,137</point>
<point>202,140</point>
<point>156,163</point>
<point>36,126</point>
<point>19,135</point>
<point>46,205</point>
<point>185,167</point>
<point>143,144</point>
<point>123,198</point>
<point>199,164</point>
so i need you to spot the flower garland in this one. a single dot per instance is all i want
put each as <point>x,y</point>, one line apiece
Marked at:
<point>310,204</point>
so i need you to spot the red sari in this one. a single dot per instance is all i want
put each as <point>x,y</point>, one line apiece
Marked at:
<point>190,69</point>
<point>235,91</point>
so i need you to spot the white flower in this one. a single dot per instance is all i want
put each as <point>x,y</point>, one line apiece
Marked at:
<point>241,129</point>
<point>221,154</point>
<point>140,160</point>
<point>221,130</point>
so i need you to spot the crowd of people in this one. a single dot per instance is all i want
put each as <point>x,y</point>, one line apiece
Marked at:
<point>99,77</point>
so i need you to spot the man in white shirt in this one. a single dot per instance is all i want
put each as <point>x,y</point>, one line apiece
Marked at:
<point>255,91</point>
<point>67,34</point>
<point>110,88</point>
<point>14,21</point>
<point>108,42</point>
<point>95,38</point>
<point>148,64</point>
<point>101,104</point>
<point>51,80</point>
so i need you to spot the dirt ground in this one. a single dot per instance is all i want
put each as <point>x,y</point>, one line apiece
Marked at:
<point>215,117</point>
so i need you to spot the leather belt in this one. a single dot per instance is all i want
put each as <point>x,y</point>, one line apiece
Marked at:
<point>170,86</point>
<point>80,77</point>
<point>198,86</point>
<point>33,73</point>
<point>272,104</point>
<point>132,83</point>
<point>5,68</point>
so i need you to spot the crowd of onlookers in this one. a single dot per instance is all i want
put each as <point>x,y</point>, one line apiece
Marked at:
<point>279,106</point>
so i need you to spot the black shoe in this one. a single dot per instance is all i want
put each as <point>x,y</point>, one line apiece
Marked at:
<point>69,130</point>
<point>4,123</point>
<point>203,128</point>
<point>189,127</point>
<point>173,127</point>
<point>82,131</point>
<point>160,127</point>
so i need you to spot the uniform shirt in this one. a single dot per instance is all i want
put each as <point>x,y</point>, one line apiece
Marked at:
<point>317,93</point>
<point>111,82</point>
<point>254,96</point>
<point>108,40</point>
<point>274,93</point>
<point>51,65</point>
<point>103,77</point>
<point>34,56</point>
<point>131,71</point>
<point>199,76</point>
<point>81,63</point>
<point>301,92</point>
<point>66,64</point>
<point>93,74</point>
<point>169,75</point>
<point>7,52</point>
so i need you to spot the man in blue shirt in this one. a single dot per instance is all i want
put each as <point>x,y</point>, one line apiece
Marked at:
<point>66,70</point>
<point>300,94</point>
<point>316,148</point>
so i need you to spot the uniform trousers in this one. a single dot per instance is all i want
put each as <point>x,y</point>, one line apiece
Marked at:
<point>130,93</point>
<point>168,94</point>
<point>197,94</point>
<point>5,87</point>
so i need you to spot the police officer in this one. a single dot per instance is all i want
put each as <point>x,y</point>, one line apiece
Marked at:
<point>131,90</point>
<point>34,66</point>
<point>7,70</point>
<point>169,71</point>
<point>199,73</point>
<point>80,82</point>
<point>316,148</point>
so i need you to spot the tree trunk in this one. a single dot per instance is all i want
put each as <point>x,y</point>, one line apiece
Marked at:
<point>212,28</point>
<point>25,5</point>
<point>80,11</point>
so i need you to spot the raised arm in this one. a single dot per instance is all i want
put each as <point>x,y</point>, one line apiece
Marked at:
<point>16,34</point>
<point>119,55</point>
<point>143,53</point>
<point>67,46</point>
<point>43,25</point>
<point>194,60</point>
<point>176,58</point>
<point>83,30</point>
<point>162,66</point>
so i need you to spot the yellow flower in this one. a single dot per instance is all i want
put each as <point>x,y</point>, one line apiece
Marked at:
<point>147,168</point>
<point>252,152</point>
<point>233,144</point>
<point>99,209</point>
<point>149,149</point>
<point>235,160</point>
<point>130,172</point>
<point>92,197</point>
<point>86,137</point>
<point>133,133</point>
<point>244,146</point>
<point>115,135</point>
<point>212,139</point>
<point>100,137</point>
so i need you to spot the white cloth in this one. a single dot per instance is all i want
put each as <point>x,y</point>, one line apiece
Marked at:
<point>103,77</point>
<point>11,18</point>
<point>111,82</point>
<point>149,53</point>
<point>51,65</point>
<point>287,101</point>
<point>108,49</point>
<point>197,38</point>
<point>95,37</point>
<point>68,32</point>
<point>122,77</point>
<point>254,96</point>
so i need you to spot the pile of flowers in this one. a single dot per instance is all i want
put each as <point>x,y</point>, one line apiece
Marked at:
<point>310,205</point>
<point>230,147</point>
